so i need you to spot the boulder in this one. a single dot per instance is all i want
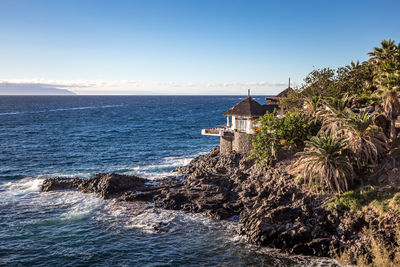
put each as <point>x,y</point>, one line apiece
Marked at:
<point>107,185</point>
<point>60,183</point>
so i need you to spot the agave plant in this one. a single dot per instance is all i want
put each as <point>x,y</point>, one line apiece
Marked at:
<point>366,140</point>
<point>325,163</point>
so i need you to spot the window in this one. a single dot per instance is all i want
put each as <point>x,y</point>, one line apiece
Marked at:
<point>241,125</point>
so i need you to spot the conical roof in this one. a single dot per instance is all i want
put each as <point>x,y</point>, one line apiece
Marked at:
<point>285,92</point>
<point>247,108</point>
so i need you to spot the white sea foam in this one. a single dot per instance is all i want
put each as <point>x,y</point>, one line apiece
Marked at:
<point>161,169</point>
<point>72,205</point>
<point>147,218</point>
<point>64,175</point>
<point>79,205</point>
<point>68,205</point>
<point>23,186</point>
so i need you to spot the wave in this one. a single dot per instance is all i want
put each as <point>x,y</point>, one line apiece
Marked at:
<point>151,220</point>
<point>158,170</point>
<point>70,205</point>
<point>10,113</point>
<point>59,109</point>
<point>64,207</point>
<point>82,108</point>
<point>29,186</point>
<point>23,186</point>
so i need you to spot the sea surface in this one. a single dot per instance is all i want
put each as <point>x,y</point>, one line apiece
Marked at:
<point>79,136</point>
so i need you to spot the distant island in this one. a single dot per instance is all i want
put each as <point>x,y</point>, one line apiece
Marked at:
<point>31,89</point>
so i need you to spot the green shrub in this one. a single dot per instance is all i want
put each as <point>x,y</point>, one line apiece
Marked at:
<point>273,133</point>
<point>347,201</point>
<point>354,201</point>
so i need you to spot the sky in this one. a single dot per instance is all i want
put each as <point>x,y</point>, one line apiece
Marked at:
<point>185,47</point>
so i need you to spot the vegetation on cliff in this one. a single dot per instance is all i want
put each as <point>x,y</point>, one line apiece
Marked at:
<point>345,133</point>
<point>346,118</point>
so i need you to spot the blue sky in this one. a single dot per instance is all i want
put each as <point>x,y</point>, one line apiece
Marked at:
<point>185,47</point>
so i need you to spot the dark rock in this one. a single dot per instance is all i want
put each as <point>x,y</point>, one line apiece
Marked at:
<point>274,210</point>
<point>111,184</point>
<point>139,196</point>
<point>60,183</point>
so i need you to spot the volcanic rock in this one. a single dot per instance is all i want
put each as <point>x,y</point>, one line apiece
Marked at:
<point>111,184</point>
<point>60,183</point>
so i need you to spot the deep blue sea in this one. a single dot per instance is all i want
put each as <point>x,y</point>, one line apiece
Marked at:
<point>148,136</point>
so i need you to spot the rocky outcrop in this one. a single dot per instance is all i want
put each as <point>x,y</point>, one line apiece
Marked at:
<point>214,185</point>
<point>60,183</point>
<point>111,185</point>
<point>273,209</point>
<point>104,185</point>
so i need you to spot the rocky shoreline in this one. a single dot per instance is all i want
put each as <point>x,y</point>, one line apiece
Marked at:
<point>273,209</point>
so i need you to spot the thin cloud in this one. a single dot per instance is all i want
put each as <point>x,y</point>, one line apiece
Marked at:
<point>134,86</point>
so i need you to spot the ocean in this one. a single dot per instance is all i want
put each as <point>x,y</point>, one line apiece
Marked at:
<point>79,136</point>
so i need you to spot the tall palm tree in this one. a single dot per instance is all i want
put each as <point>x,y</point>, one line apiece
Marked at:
<point>366,140</point>
<point>386,63</point>
<point>325,163</point>
<point>391,109</point>
<point>386,52</point>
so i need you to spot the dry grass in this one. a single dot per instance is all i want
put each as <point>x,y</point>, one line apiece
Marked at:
<point>379,253</point>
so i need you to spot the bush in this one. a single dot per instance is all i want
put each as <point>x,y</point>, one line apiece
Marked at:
<point>273,133</point>
<point>375,197</point>
<point>349,200</point>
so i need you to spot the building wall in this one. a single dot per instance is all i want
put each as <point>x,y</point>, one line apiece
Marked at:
<point>249,126</point>
<point>233,122</point>
<point>241,142</point>
<point>225,144</point>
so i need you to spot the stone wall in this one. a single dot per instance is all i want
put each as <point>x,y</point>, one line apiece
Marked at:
<point>225,145</point>
<point>241,142</point>
<point>238,142</point>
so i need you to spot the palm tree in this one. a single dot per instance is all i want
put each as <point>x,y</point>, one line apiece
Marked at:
<point>311,106</point>
<point>386,63</point>
<point>366,140</point>
<point>325,163</point>
<point>355,77</point>
<point>385,53</point>
<point>391,109</point>
<point>333,112</point>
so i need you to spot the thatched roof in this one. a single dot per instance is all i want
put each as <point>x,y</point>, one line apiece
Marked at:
<point>247,108</point>
<point>285,92</point>
<point>269,107</point>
